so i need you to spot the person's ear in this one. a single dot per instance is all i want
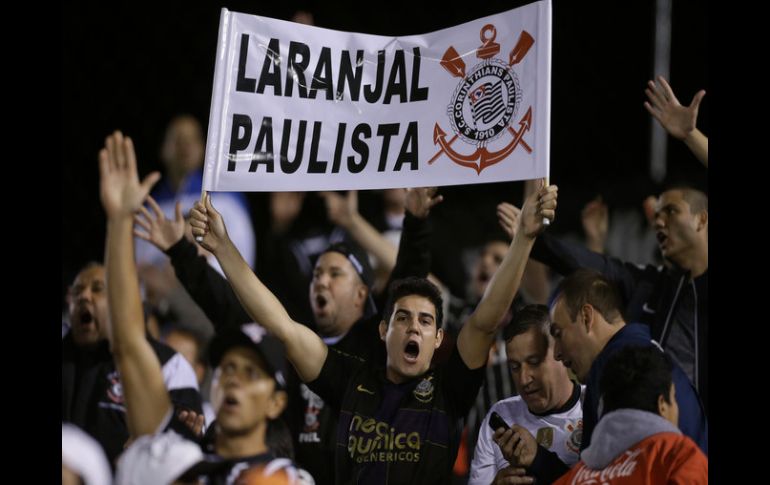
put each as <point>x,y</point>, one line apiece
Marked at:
<point>361,293</point>
<point>439,337</point>
<point>383,329</point>
<point>702,220</point>
<point>589,317</point>
<point>276,404</point>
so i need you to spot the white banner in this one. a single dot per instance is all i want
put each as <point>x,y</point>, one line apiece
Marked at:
<point>301,108</point>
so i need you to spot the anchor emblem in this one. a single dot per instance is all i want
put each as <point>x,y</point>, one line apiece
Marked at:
<point>485,103</point>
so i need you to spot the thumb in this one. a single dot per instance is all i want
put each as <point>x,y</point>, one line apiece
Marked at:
<point>178,212</point>
<point>535,195</point>
<point>149,181</point>
<point>209,208</point>
<point>697,99</point>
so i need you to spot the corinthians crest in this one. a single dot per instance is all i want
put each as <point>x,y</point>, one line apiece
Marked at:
<point>424,390</point>
<point>485,103</point>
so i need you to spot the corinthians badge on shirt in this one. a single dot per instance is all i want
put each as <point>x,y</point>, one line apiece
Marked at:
<point>115,389</point>
<point>545,437</point>
<point>575,430</point>
<point>424,390</point>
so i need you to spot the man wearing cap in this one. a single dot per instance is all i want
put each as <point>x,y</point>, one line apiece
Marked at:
<point>248,377</point>
<point>399,424</point>
<point>343,308</point>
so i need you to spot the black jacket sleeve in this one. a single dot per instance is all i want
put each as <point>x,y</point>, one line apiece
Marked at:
<point>206,286</point>
<point>413,252</point>
<point>547,467</point>
<point>565,258</point>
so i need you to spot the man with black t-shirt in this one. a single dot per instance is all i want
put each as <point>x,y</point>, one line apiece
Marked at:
<point>344,312</point>
<point>398,424</point>
<point>92,391</point>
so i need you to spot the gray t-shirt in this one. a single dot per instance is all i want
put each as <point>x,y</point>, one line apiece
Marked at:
<point>680,344</point>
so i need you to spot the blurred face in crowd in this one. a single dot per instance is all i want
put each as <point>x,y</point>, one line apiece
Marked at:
<point>337,294</point>
<point>183,146</point>
<point>680,232</point>
<point>411,337</point>
<point>491,257</point>
<point>87,302</point>
<point>395,199</point>
<point>187,346</point>
<point>243,393</point>
<point>541,380</point>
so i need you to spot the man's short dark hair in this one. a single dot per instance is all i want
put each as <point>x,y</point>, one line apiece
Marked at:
<point>89,265</point>
<point>589,286</point>
<point>414,286</point>
<point>634,378</point>
<point>697,200</point>
<point>524,320</point>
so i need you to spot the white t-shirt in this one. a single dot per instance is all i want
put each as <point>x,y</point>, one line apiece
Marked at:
<point>559,433</point>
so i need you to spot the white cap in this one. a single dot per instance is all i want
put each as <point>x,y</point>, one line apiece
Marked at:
<point>84,456</point>
<point>157,459</point>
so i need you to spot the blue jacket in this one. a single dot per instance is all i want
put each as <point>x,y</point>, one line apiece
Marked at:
<point>652,295</point>
<point>692,418</point>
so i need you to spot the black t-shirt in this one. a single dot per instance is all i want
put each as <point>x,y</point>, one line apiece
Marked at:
<point>396,433</point>
<point>313,423</point>
<point>92,394</point>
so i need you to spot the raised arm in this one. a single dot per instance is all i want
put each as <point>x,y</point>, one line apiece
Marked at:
<point>156,228</point>
<point>478,332</point>
<point>343,211</point>
<point>413,257</point>
<point>678,120</point>
<point>205,285</point>
<point>147,399</point>
<point>305,349</point>
<point>534,282</point>
<point>595,219</point>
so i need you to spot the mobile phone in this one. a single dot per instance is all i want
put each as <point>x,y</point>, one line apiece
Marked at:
<point>496,422</point>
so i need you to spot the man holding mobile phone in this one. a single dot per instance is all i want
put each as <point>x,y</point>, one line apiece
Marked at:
<point>546,414</point>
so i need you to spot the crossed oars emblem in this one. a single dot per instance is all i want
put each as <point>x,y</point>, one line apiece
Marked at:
<point>454,64</point>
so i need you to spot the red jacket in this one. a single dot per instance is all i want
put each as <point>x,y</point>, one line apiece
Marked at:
<point>663,458</point>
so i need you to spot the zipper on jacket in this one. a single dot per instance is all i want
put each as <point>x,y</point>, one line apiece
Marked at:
<point>671,311</point>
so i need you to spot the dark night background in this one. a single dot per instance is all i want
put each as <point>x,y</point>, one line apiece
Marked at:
<point>133,65</point>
